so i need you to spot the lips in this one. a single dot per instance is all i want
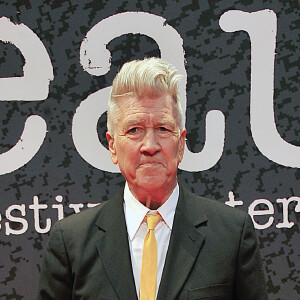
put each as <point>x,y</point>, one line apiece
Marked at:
<point>150,163</point>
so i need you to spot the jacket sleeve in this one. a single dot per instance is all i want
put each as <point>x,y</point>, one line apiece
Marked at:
<point>250,282</point>
<point>56,274</point>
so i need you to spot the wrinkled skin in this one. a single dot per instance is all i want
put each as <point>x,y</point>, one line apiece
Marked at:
<point>148,146</point>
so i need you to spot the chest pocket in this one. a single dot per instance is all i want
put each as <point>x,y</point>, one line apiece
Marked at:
<point>214,292</point>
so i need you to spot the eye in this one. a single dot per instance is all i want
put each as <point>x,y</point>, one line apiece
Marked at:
<point>133,130</point>
<point>164,131</point>
<point>162,128</point>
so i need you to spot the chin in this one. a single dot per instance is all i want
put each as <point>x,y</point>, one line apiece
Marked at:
<point>152,183</point>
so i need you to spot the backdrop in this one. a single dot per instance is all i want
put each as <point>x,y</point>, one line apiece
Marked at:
<point>240,91</point>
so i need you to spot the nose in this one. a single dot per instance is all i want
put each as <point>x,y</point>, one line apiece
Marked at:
<point>150,143</point>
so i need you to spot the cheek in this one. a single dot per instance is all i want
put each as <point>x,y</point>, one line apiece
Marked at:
<point>128,154</point>
<point>172,152</point>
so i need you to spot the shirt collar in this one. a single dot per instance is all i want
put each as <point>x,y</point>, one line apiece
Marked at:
<point>135,211</point>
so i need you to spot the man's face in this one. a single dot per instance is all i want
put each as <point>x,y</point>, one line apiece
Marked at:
<point>147,143</point>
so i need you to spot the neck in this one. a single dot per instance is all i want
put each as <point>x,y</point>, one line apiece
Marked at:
<point>152,199</point>
<point>152,204</point>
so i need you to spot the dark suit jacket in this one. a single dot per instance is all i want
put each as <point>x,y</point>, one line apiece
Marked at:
<point>213,254</point>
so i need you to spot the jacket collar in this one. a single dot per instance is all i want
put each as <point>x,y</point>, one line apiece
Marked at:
<point>185,244</point>
<point>113,247</point>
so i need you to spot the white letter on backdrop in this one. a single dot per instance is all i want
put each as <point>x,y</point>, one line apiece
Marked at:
<point>14,219</point>
<point>95,59</point>
<point>262,28</point>
<point>270,211</point>
<point>36,206</point>
<point>32,86</point>
<point>285,211</point>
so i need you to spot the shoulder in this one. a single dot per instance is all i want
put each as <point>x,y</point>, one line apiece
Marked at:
<point>218,221</point>
<point>214,210</point>
<point>78,224</point>
<point>87,215</point>
<point>91,216</point>
<point>87,221</point>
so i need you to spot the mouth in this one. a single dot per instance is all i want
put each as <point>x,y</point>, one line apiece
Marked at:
<point>150,163</point>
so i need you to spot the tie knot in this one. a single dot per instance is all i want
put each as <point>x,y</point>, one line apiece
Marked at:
<point>152,221</point>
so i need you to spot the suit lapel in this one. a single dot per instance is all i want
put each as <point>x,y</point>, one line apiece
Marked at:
<point>113,248</point>
<point>184,246</point>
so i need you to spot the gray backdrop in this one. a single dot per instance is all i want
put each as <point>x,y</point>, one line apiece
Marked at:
<point>218,68</point>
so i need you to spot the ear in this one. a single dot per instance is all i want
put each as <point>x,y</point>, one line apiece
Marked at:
<point>181,144</point>
<point>112,147</point>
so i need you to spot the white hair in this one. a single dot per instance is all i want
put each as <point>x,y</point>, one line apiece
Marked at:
<point>148,77</point>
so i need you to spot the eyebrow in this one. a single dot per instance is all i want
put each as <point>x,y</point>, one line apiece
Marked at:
<point>165,121</point>
<point>160,122</point>
<point>132,122</point>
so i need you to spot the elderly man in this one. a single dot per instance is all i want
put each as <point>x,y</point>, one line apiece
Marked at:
<point>154,240</point>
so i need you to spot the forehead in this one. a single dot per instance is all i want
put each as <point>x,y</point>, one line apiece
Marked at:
<point>157,108</point>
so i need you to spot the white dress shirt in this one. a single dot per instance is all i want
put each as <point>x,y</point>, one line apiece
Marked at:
<point>135,213</point>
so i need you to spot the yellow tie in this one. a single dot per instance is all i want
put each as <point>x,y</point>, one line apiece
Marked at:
<point>149,263</point>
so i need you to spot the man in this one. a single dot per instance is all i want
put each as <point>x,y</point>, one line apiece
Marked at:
<point>199,248</point>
